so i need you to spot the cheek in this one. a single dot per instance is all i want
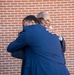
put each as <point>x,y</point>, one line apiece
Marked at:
<point>42,23</point>
<point>48,24</point>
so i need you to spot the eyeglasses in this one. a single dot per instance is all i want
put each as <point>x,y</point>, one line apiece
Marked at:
<point>47,20</point>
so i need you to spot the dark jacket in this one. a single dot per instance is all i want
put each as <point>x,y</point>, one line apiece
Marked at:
<point>20,54</point>
<point>43,53</point>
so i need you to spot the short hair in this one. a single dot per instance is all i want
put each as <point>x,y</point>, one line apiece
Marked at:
<point>42,14</point>
<point>31,18</point>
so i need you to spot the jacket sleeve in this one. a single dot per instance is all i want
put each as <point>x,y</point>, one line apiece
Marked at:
<point>18,54</point>
<point>19,43</point>
<point>63,45</point>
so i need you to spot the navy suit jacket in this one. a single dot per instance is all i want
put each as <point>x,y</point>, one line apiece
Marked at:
<point>20,54</point>
<point>43,52</point>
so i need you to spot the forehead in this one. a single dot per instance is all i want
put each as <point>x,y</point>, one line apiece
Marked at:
<point>47,16</point>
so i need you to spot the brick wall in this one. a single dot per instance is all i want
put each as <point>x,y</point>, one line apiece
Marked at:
<point>11,14</point>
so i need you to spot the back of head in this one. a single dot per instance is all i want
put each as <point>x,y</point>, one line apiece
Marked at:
<point>31,18</point>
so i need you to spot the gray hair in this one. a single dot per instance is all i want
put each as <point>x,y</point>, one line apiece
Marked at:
<point>42,14</point>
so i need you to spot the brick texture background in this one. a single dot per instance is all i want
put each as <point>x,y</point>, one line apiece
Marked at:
<point>11,14</point>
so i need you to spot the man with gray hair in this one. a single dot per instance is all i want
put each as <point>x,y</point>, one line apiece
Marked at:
<point>45,20</point>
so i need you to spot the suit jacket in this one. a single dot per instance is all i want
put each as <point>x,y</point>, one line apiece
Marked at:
<point>43,53</point>
<point>20,54</point>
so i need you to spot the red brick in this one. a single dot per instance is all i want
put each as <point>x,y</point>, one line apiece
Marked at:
<point>11,14</point>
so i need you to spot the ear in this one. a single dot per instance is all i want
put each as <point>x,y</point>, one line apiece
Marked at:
<point>33,22</point>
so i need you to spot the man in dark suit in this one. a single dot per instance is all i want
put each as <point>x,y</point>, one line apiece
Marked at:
<point>43,52</point>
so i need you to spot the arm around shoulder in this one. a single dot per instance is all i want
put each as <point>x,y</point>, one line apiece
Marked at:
<point>19,43</point>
